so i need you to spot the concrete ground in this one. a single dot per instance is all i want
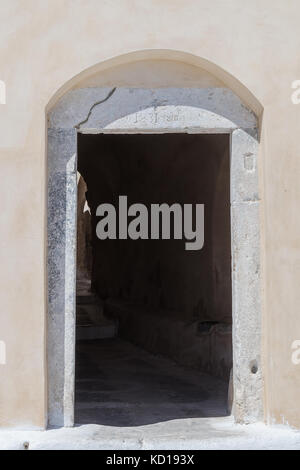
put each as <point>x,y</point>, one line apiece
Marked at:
<point>181,434</point>
<point>132,400</point>
<point>119,384</point>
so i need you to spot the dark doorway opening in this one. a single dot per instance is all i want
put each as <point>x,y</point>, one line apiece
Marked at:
<point>154,320</point>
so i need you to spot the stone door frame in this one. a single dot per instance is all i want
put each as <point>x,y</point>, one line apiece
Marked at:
<point>162,110</point>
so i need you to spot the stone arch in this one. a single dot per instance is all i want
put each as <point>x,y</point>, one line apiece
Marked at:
<point>153,110</point>
<point>181,57</point>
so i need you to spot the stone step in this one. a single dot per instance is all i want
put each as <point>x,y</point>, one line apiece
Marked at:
<point>90,332</point>
<point>91,322</point>
<point>90,313</point>
<point>86,299</point>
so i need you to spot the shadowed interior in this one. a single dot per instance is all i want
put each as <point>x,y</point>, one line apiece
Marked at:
<point>154,320</point>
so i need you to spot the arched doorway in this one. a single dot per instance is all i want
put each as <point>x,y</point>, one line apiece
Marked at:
<point>210,111</point>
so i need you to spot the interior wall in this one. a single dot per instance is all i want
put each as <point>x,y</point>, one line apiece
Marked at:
<point>185,289</point>
<point>84,232</point>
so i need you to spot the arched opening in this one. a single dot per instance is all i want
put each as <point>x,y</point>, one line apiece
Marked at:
<point>170,145</point>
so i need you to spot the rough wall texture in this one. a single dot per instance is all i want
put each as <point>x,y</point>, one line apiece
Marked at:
<point>41,53</point>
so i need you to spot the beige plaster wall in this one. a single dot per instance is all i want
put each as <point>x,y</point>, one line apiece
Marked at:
<point>150,74</point>
<point>252,47</point>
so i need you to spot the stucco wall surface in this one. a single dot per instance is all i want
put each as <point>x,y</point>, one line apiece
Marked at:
<point>48,47</point>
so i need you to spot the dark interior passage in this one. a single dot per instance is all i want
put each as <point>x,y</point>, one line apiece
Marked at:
<point>154,294</point>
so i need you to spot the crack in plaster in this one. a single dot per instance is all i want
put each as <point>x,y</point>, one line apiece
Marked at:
<point>93,106</point>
